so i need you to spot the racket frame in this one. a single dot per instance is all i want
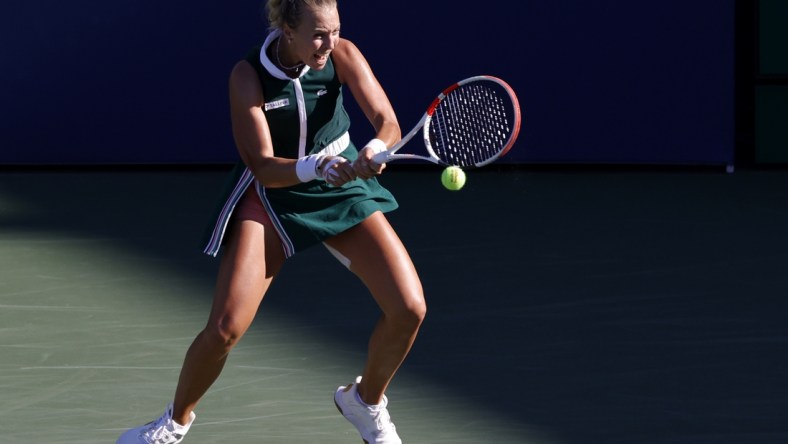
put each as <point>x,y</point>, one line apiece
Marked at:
<point>424,126</point>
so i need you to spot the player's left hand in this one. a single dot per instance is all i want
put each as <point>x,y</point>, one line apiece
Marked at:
<point>337,171</point>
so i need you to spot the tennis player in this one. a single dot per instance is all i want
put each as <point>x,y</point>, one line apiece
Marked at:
<point>301,182</point>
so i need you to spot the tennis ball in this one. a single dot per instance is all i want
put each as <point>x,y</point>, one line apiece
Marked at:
<point>453,178</point>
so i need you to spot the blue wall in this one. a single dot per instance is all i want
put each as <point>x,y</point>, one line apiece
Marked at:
<point>608,81</point>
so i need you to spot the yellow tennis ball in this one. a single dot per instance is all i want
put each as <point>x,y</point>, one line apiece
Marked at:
<point>453,178</point>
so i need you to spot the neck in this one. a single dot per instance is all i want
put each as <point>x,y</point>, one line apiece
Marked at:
<point>294,68</point>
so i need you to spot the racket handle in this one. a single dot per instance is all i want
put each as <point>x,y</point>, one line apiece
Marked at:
<point>381,157</point>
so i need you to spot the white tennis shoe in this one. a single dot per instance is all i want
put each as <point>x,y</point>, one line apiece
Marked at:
<point>372,421</point>
<point>161,431</point>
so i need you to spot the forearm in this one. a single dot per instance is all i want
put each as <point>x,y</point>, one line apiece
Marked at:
<point>272,172</point>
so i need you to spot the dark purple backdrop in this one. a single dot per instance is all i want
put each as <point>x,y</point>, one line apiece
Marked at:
<point>608,81</point>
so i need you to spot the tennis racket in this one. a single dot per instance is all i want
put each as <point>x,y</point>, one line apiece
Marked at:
<point>470,124</point>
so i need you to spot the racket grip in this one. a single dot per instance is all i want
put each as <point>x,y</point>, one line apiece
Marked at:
<point>381,157</point>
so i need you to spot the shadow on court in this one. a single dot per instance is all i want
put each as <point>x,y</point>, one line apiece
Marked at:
<point>570,307</point>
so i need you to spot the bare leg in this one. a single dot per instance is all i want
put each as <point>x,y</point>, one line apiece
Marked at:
<point>251,259</point>
<point>380,260</point>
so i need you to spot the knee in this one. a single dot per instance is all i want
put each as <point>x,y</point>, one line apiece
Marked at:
<point>224,333</point>
<point>411,315</point>
<point>419,311</point>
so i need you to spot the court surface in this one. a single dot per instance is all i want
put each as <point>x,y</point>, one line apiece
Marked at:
<point>565,307</point>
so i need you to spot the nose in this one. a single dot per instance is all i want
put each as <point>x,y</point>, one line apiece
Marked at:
<point>331,42</point>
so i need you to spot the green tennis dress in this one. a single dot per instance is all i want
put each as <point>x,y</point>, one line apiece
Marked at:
<point>305,116</point>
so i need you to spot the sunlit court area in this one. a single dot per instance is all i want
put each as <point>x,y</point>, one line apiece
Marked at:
<point>617,277</point>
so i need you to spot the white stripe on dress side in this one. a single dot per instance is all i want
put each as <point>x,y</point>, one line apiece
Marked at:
<point>287,242</point>
<point>215,242</point>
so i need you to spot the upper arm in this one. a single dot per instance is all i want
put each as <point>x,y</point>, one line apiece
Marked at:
<point>249,125</point>
<point>251,132</point>
<point>354,71</point>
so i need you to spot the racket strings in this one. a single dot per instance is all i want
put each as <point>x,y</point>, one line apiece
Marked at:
<point>472,124</point>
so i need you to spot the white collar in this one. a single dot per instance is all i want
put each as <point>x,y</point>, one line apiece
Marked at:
<point>269,65</point>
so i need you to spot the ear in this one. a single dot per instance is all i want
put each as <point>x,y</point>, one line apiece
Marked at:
<point>287,33</point>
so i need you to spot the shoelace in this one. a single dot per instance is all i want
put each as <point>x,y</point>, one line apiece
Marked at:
<point>383,421</point>
<point>159,433</point>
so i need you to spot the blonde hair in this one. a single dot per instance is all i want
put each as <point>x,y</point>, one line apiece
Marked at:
<point>288,12</point>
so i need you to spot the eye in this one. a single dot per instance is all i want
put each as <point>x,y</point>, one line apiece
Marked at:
<point>326,34</point>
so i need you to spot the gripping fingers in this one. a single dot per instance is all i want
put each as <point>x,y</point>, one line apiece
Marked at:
<point>365,165</point>
<point>367,168</point>
<point>381,158</point>
<point>338,171</point>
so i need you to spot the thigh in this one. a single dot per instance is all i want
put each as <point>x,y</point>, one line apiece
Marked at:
<point>378,257</point>
<point>252,257</point>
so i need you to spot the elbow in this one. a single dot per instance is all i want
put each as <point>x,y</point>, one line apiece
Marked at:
<point>259,167</point>
<point>271,172</point>
<point>392,131</point>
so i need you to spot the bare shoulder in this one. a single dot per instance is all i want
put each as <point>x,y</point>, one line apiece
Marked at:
<point>244,83</point>
<point>346,50</point>
<point>243,71</point>
<point>348,60</point>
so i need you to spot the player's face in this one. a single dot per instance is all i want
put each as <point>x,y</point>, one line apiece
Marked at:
<point>316,36</point>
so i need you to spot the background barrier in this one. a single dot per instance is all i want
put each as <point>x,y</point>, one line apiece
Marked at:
<point>610,81</point>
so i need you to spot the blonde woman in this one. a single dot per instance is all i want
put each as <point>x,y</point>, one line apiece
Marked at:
<point>301,182</point>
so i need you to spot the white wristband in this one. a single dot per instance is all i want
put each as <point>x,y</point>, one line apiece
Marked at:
<point>377,146</point>
<point>306,167</point>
